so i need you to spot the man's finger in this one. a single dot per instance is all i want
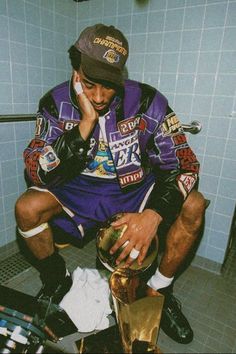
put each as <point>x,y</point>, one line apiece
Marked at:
<point>124,254</point>
<point>142,254</point>
<point>120,221</point>
<point>78,88</point>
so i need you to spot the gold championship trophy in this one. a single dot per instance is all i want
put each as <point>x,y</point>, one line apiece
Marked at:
<point>137,307</point>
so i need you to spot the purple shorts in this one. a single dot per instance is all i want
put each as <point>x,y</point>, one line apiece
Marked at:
<point>89,201</point>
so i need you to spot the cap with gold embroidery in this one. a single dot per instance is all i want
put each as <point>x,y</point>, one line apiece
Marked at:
<point>104,51</point>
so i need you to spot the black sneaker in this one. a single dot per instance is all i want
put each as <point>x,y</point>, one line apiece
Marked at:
<point>48,311</point>
<point>173,322</point>
<point>55,294</point>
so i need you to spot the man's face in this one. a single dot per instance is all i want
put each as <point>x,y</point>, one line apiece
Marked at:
<point>98,94</point>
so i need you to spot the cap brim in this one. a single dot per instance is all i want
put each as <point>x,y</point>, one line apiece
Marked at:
<point>98,70</point>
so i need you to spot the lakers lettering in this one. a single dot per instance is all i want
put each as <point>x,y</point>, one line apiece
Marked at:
<point>128,156</point>
<point>119,144</point>
<point>126,152</point>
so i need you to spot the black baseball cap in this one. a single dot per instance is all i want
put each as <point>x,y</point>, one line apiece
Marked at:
<point>104,51</point>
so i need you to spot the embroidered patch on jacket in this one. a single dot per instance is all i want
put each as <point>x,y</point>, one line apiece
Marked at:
<point>67,124</point>
<point>32,158</point>
<point>171,125</point>
<point>127,126</point>
<point>126,151</point>
<point>186,182</point>
<point>48,159</point>
<point>179,139</point>
<point>41,126</point>
<point>131,178</point>
<point>187,159</point>
<point>102,165</point>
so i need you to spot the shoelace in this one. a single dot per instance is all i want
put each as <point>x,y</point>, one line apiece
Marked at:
<point>177,301</point>
<point>174,306</point>
<point>45,291</point>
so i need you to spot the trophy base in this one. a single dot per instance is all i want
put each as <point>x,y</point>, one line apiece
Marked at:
<point>108,341</point>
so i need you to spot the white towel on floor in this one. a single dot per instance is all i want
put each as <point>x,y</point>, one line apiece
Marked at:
<point>87,303</point>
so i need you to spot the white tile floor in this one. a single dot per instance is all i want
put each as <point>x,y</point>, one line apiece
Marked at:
<point>208,301</point>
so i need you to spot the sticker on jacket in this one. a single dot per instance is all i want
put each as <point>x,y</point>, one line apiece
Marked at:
<point>131,178</point>
<point>131,124</point>
<point>48,159</point>
<point>102,165</point>
<point>67,125</point>
<point>186,181</point>
<point>41,126</point>
<point>126,151</point>
<point>171,125</point>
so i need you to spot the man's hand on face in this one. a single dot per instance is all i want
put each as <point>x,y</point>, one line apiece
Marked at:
<point>141,230</point>
<point>89,115</point>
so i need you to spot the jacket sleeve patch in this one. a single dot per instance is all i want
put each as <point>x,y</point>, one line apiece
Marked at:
<point>186,181</point>
<point>131,124</point>
<point>41,126</point>
<point>48,159</point>
<point>171,125</point>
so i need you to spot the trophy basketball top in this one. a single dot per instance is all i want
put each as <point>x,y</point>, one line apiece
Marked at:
<point>106,238</point>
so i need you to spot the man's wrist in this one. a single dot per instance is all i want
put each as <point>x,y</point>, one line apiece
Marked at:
<point>154,214</point>
<point>85,128</point>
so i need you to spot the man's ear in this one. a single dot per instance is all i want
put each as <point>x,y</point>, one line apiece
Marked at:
<point>77,83</point>
<point>76,76</point>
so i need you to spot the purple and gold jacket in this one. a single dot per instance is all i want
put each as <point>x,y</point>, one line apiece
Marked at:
<point>144,136</point>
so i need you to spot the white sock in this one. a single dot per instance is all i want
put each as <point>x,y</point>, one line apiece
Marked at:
<point>159,281</point>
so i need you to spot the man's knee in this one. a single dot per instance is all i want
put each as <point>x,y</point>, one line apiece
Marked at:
<point>26,214</point>
<point>195,203</point>
<point>35,208</point>
<point>194,208</point>
<point>23,208</point>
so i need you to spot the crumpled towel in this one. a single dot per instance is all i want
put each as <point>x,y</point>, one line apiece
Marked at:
<point>87,302</point>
